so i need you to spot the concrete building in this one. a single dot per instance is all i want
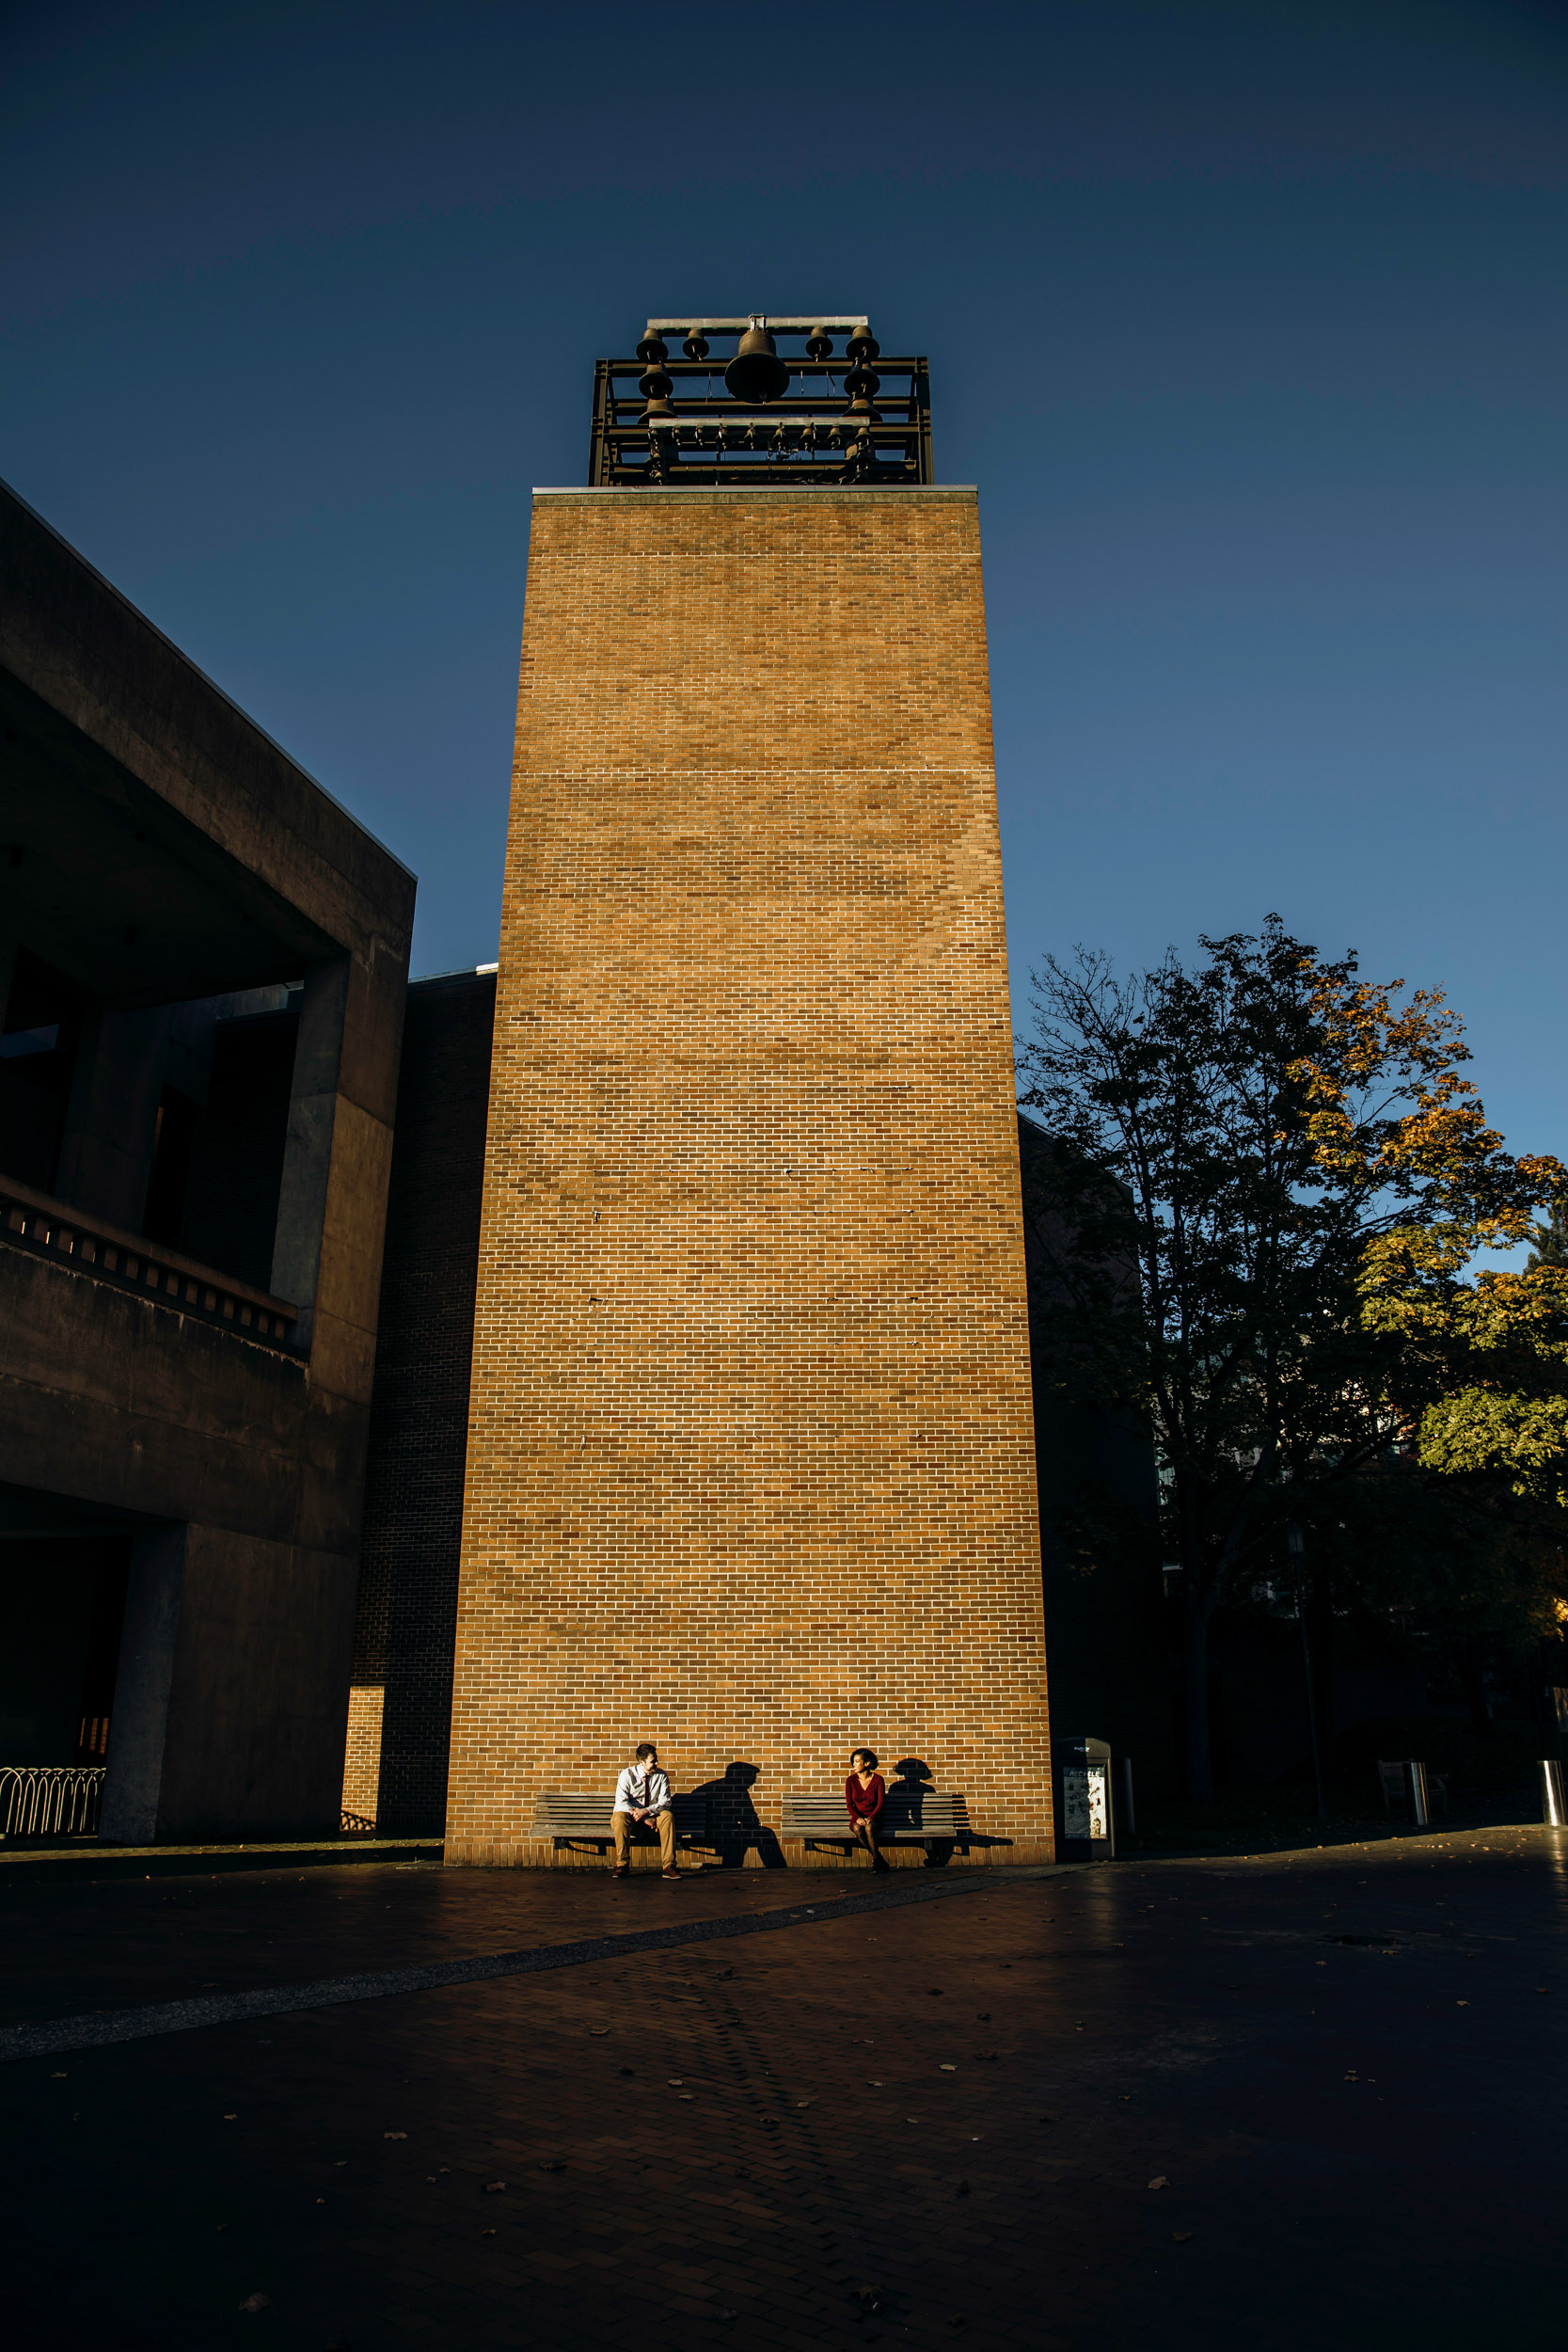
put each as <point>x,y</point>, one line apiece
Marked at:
<point>203,962</point>
<point>750,1465</point>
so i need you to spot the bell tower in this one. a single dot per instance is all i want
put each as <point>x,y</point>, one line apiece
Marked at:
<point>750,1464</point>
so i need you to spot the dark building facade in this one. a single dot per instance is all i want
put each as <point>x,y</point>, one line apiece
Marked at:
<point>203,962</point>
<point>400,1709</point>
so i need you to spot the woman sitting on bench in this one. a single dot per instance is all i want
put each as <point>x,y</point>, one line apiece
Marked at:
<point>863,1792</point>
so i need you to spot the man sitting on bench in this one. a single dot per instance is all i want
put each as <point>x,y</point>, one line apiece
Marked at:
<point>642,1795</point>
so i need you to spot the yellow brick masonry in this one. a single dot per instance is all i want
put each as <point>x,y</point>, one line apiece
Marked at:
<point>750,1465</point>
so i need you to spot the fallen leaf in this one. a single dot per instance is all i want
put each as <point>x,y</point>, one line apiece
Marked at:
<point>256,2303</point>
<point>870,2298</point>
<point>487,2234</point>
<point>231,2118</point>
<point>945,2069</point>
<point>1159,2182</point>
<point>1047,2119</point>
<point>550,2164</point>
<point>1461,2003</point>
<point>394,2135</point>
<point>982,2017</point>
<point>220,2226</point>
<point>60,2078</point>
<point>1181,2237</point>
<point>320,2200</point>
<point>598,2031</point>
<point>871,2083</point>
<point>674,2081</point>
<point>493,2188</point>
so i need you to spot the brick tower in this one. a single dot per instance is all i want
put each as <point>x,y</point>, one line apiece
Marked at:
<point>750,1465</point>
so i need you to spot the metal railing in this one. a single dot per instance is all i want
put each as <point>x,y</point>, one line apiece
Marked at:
<point>54,1230</point>
<point>50,1800</point>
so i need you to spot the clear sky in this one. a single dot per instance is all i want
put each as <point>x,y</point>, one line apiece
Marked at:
<point>1248,321</point>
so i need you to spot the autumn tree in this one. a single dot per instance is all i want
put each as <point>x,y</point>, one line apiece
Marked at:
<point>1270,1176</point>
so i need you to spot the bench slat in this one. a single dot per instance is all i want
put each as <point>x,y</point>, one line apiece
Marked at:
<point>918,1819</point>
<point>585,1814</point>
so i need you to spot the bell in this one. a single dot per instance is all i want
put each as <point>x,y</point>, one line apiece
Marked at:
<point>819,344</point>
<point>756,371</point>
<point>695,345</point>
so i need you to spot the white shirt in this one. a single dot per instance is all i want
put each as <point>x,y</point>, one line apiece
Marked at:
<point>642,1791</point>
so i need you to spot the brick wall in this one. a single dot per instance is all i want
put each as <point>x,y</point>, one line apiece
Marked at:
<point>420,1410</point>
<point>750,1462</point>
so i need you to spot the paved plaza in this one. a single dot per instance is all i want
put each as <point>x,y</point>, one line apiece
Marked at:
<point>1301,2101</point>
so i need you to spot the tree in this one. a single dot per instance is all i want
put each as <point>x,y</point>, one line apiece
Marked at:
<point>1551,1241</point>
<point>1244,1135</point>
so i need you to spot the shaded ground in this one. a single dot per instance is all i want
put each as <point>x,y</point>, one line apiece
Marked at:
<point>1285,1817</point>
<point>1343,2066</point>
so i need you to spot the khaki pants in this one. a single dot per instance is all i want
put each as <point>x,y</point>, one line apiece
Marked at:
<point>621,1826</point>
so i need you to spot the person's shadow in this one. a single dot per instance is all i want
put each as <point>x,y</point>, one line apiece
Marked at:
<point>731,1819</point>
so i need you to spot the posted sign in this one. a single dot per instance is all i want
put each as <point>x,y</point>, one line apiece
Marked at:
<point>1085,1811</point>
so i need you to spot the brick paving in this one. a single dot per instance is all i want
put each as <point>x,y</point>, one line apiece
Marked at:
<point>1341,2066</point>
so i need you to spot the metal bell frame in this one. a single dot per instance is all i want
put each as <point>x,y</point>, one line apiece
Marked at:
<point>844,423</point>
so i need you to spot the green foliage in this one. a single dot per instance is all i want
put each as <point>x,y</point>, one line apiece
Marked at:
<point>1269,1178</point>
<point>1551,1241</point>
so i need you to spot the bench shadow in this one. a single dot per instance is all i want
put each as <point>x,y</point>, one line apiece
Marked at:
<point>734,1824</point>
<point>913,1778</point>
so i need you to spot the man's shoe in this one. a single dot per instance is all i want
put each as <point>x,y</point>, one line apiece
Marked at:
<point>622,1871</point>
<point>669,1874</point>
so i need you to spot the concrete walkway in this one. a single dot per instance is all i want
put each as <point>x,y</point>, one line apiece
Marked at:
<point>1299,2103</point>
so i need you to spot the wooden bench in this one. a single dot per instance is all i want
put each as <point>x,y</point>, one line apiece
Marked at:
<point>577,1819</point>
<point>910,1817</point>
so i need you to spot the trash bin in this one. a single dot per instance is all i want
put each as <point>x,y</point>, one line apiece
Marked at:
<point>1086,1811</point>
<point>1551,1793</point>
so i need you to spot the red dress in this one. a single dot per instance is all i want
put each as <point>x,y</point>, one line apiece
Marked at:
<point>863,1803</point>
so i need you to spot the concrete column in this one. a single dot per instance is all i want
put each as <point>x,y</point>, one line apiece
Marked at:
<point>111,1122</point>
<point>231,1703</point>
<point>138,1720</point>
<point>308,1156</point>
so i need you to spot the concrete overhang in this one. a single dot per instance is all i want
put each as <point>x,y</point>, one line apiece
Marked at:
<point>155,843</point>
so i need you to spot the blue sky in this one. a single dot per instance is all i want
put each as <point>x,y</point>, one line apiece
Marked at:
<point>1248,321</point>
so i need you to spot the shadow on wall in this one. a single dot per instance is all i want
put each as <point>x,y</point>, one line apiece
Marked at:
<point>733,1823</point>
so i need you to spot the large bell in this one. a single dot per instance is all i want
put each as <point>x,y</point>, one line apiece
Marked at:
<point>756,371</point>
